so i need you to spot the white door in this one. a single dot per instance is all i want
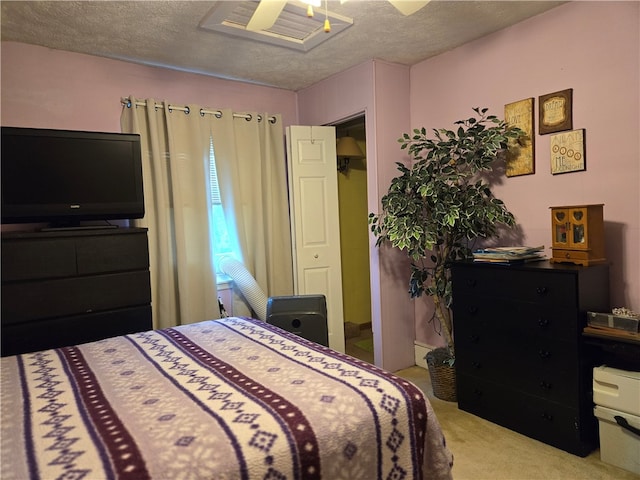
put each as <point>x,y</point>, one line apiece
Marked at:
<point>315,228</point>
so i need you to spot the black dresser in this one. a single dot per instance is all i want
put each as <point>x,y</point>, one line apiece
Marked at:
<point>521,361</point>
<point>69,287</point>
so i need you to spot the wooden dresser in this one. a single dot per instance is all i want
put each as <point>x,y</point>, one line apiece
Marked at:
<point>69,287</point>
<point>521,361</point>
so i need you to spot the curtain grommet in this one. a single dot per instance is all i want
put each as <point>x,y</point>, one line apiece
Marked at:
<point>248,117</point>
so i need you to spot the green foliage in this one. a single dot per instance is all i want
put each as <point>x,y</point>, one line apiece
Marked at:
<point>437,206</point>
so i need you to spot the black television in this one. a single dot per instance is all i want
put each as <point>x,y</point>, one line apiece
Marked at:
<point>65,177</point>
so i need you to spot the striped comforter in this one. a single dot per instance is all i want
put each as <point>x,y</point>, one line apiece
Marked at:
<point>226,399</point>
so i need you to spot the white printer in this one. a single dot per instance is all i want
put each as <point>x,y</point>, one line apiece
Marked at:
<point>616,394</point>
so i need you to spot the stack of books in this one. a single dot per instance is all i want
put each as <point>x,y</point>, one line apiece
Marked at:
<point>509,255</point>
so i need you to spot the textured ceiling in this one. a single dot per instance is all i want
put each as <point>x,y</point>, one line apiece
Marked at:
<point>168,34</point>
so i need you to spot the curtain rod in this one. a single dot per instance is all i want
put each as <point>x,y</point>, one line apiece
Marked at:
<point>217,113</point>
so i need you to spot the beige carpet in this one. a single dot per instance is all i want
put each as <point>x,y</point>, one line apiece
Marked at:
<point>485,451</point>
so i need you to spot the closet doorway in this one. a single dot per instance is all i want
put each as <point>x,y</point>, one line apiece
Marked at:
<point>354,237</point>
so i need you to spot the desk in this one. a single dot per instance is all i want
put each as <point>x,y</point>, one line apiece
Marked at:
<point>620,349</point>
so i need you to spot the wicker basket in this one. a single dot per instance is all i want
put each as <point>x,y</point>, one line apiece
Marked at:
<point>443,375</point>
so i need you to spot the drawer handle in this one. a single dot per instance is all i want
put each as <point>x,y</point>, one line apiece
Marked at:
<point>477,392</point>
<point>474,338</point>
<point>545,385</point>
<point>471,282</point>
<point>544,353</point>
<point>472,309</point>
<point>547,416</point>
<point>476,364</point>
<point>541,290</point>
<point>543,322</point>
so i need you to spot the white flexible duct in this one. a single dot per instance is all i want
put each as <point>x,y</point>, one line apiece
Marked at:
<point>247,285</point>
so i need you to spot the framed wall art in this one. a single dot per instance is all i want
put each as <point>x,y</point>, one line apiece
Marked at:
<point>567,152</point>
<point>521,153</point>
<point>555,112</point>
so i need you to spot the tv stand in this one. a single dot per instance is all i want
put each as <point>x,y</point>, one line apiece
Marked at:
<point>68,287</point>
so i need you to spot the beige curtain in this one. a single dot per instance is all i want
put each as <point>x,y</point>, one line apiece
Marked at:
<point>253,186</point>
<point>250,163</point>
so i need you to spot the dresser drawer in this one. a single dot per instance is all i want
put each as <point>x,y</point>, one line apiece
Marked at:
<point>27,301</point>
<point>112,253</point>
<point>59,332</point>
<point>547,421</point>
<point>519,349</point>
<point>549,371</point>
<point>546,288</point>
<point>33,259</point>
<point>36,259</point>
<point>474,313</point>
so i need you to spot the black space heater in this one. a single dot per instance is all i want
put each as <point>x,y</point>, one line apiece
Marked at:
<point>304,315</point>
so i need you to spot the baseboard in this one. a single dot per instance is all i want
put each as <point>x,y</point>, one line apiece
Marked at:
<point>420,350</point>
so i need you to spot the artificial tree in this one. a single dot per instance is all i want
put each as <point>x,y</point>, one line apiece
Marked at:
<point>441,203</point>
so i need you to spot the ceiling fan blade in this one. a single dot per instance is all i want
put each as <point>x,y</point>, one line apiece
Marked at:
<point>407,7</point>
<point>265,15</point>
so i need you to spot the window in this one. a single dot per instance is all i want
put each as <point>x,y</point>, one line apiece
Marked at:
<point>223,241</point>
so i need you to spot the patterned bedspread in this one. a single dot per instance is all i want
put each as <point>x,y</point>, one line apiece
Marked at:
<point>227,399</point>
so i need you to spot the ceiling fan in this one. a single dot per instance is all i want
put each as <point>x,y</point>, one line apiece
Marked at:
<point>268,11</point>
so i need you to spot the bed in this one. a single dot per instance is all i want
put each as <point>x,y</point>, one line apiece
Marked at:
<point>234,398</point>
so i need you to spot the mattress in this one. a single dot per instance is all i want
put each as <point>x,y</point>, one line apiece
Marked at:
<point>234,398</point>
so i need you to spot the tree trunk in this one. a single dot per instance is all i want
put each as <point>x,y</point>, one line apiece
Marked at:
<point>444,317</point>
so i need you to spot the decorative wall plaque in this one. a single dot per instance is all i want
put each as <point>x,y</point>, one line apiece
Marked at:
<point>555,112</point>
<point>521,152</point>
<point>567,152</point>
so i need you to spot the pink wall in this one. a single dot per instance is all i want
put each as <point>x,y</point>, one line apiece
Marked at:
<point>397,333</point>
<point>47,88</point>
<point>381,91</point>
<point>593,48</point>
